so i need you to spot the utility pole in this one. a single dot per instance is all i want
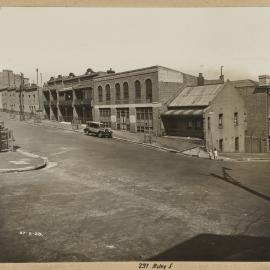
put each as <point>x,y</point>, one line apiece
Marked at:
<point>267,119</point>
<point>21,101</point>
<point>39,110</point>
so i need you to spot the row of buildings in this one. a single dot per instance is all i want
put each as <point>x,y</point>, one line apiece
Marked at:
<point>230,116</point>
<point>17,95</point>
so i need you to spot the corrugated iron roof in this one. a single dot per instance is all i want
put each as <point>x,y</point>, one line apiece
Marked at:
<point>196,95</point>
<point>244,83</point>
<point>183,112</point>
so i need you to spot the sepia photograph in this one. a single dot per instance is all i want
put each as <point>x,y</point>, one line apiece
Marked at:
<point>134,135</point>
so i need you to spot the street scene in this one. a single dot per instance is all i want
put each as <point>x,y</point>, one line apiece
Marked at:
<point>132,162</point>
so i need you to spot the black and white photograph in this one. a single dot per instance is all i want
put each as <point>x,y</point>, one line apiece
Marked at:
<point>134,135</point>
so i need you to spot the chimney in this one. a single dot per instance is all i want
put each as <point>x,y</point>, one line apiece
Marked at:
<point>200,79</point>
<point>221,77</point>
<point>264,80</point>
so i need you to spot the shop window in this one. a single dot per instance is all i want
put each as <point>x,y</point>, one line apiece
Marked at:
<point>198,124</point>
<point>189,124</point>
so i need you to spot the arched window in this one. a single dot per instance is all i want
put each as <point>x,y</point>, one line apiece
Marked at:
<point>108,92</point>
<point>148,85</point>
<point>100,98</point>
<point>126,91</point>
<point>137,85</point>
<point>117,92</point>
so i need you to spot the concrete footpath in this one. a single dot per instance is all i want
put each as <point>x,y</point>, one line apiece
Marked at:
<point>20,161</point>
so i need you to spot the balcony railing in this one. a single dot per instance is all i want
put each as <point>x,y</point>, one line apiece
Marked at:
<point>65,102</point>
<point>85,101</point>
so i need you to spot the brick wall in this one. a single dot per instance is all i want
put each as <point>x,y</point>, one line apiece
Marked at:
<point>256,111</point>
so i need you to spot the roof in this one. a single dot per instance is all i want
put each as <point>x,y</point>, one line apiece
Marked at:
<point>244,83</point>
<point>196,95</point>
<point>183,112</point>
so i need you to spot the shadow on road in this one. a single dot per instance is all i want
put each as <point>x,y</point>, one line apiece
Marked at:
<point>229,179</point>
<point>211,247</point>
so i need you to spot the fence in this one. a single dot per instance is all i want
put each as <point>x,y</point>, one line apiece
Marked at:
<point>255,144</point>
<point>6,139</point>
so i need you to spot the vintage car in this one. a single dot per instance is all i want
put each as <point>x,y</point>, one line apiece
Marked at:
<point>98,129</point>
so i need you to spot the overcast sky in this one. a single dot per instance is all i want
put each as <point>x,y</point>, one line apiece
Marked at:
<point>63,40</point>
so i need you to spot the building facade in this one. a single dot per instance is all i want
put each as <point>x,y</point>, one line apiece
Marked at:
<point>8,79</point>
<point>133,100</point>
<point>130,100</point>
<point>215,113</point>
<point>17,100</point>
<point>69,98</point>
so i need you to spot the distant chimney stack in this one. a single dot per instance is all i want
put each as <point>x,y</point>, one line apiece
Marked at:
<point>200,79</point>
<point>264,80</point>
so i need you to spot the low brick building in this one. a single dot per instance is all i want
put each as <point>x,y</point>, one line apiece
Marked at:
<point>213,112</point>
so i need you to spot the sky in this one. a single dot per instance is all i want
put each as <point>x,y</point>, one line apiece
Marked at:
<point>192,40</point>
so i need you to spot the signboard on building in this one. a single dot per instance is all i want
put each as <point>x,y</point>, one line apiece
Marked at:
<point>113,118</point>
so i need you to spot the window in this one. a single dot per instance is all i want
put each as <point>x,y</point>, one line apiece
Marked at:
<point>105,112</point>
<point>236,144</point>
<point>189,124</point>
<point>198,124</point>
<point>100,98</point>
<point>108,92</point>
<point>137,85</point>
<point>117,92</point>
<point>220,143</point>
<point>148,85</point>
<point>220,120</point>
<point>235,118</point>
<point>126,91</point>
<point>89,94</point>
<point>209,122</point>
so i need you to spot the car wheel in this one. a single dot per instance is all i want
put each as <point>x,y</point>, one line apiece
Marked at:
<point>99,135</point>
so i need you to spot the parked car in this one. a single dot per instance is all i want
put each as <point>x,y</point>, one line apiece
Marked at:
<point>98,129</point>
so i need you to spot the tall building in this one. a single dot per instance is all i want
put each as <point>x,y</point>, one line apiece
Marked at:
<point>8,79</point>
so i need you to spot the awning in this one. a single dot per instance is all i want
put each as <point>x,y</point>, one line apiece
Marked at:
<point>183,113</point>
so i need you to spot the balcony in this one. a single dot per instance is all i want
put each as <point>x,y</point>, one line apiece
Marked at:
<point>65,102</point>
<point>53,102</point>
<point>85,101</point>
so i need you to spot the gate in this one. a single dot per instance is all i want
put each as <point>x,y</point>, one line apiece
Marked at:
<point>255,144</point>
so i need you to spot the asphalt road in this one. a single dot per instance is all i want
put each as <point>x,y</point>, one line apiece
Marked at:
<point>106,200</point>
